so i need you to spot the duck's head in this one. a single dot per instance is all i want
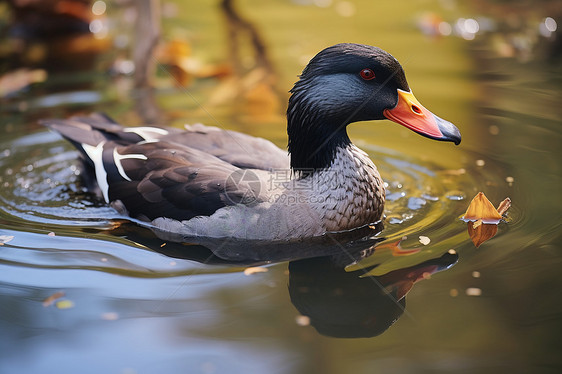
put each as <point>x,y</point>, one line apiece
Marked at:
<point>348,83</point>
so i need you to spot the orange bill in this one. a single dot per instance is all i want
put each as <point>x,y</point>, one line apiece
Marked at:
<point>410,113</point>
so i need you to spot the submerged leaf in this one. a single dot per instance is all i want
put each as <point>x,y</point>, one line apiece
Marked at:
<point>482,232</point>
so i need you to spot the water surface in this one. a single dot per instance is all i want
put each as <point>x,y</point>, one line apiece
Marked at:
<point>134,303</point>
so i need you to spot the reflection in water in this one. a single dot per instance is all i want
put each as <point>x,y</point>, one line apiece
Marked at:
<point>339,303</point>
<point>348,305</point>
<point>344,248</point>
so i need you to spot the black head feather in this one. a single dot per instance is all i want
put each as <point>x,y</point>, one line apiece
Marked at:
<point>330,94</point>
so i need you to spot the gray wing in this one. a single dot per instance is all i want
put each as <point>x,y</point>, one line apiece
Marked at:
<point>167,172</point>
<point>238,149</point>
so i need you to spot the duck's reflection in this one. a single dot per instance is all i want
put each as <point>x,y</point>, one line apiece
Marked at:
<point>349,305</point>
<point>339,302</point>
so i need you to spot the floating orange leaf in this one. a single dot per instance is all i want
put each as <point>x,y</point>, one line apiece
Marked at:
<point>481,208</point>
<point>483,218</point>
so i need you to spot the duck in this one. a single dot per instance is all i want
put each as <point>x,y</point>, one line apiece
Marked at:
<point>205,181</point>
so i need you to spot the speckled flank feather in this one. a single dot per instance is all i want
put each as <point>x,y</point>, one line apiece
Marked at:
<point>353,191</point>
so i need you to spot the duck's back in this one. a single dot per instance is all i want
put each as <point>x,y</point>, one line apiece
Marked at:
<point>155,172</point>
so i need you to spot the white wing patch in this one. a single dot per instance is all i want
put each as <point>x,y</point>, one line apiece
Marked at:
<point>118,157</point>
<point>95,153</point>
<point>145,132</point>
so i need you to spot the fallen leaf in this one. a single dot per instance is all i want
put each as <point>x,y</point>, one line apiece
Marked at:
<point>481,208</point>
<point>483,218</point>
<point>51,299</point>
<point>482,232</point>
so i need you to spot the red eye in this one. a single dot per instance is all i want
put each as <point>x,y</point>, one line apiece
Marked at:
<point>367,74</point>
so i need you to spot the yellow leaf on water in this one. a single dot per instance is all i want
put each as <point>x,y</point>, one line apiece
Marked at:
<point>481,208</point>
<point>483,218</point>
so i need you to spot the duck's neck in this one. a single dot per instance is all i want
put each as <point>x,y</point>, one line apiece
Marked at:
<point>314,135</point>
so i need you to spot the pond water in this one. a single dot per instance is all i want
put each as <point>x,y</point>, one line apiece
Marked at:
<point>83,289</point>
